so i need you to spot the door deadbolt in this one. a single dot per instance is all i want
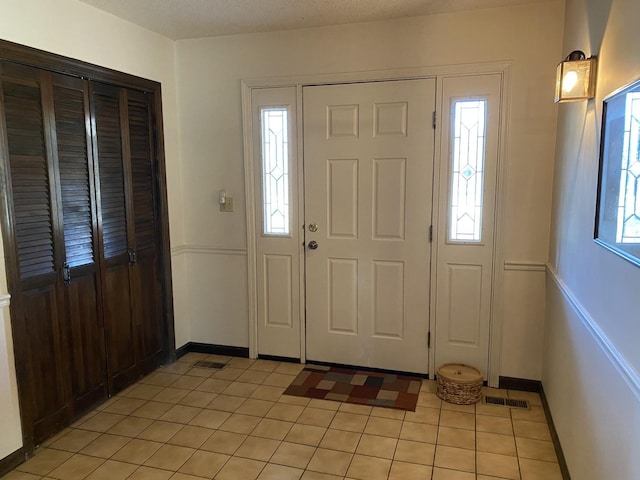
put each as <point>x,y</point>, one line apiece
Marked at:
<point>313,227</point>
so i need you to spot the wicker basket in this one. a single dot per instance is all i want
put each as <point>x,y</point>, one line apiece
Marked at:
<point>459,384</point>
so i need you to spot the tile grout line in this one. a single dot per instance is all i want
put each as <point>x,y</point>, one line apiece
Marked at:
<point>475,437</point>
<point>515,443</point>
<point>435,448</point>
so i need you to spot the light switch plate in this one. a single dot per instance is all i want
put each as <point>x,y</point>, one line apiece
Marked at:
<point>227,206</point>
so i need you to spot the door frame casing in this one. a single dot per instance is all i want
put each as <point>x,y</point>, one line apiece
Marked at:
<point>437,72</point>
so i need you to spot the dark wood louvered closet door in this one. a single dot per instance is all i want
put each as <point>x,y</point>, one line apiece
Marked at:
<point>146,285</point>
<point>83,211</point>
<point>40,349</point>
<point>109,140</point>
<point>124,150</point>
<point>84,326</point>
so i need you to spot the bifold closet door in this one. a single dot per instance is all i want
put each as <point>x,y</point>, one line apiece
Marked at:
<point>115,226</point>
<point>56,319</point>
<point>124,149</point>
<point>39,346</point>
<point>81,231</point>
<point>145,280</point>
<point>84,326</point>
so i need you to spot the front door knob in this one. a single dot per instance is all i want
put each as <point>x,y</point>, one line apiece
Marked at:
<point>313,245</point>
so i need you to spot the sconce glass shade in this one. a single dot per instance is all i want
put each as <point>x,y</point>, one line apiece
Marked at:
<point>575,78</point>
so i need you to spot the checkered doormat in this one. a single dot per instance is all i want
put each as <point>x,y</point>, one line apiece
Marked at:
<point>357,386</point>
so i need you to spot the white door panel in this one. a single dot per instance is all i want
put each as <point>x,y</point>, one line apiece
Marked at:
<point>277,241</point>
<point>368,180</point>
<point>465,236</point>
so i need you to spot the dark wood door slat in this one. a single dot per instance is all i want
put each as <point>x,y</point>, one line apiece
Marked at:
<point>74,173</point>
<point>109,149</point>
<point>28,169</point>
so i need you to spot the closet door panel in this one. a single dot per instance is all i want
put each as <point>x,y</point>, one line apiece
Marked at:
<point>39,347</point>
<point>117,311</point>
<point>34,229</point>
<point>148,311</point>
<point>45,363</point>
<point>146,283</point>
<point>84,324</point>
<point>114,235</point>
<point>110,164</point>
<point>86,339</point>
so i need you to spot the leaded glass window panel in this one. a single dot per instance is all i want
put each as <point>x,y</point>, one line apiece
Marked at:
<point>628,224</point>
<point>618,207</point>
<point>467,170</point>
<point>275,170</point>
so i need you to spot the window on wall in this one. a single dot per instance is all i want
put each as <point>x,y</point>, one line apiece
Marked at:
<point>618,223</point>
<point>275,171</point>
<point>628,221</point>
<point>467,170</point>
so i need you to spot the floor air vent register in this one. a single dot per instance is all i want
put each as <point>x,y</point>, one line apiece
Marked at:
<point>213,365</point>
<point>506,402</point>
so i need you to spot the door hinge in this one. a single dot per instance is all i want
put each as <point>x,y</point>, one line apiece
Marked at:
<point>133,257</point>
<point>66,274</point>
<point>434,119</point>
<point>429,340</point>
<point>431,233</point>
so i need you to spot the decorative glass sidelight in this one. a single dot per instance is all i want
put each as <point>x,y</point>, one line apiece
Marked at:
<point>467,170</point>
<point>275,170</point>
<point>628,224</point>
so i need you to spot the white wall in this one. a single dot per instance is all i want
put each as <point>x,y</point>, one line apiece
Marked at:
<point>596,413</point>
<point>594,403</point>
<point>209,72</point>
<point>74,29</point>
<point>11,438</point>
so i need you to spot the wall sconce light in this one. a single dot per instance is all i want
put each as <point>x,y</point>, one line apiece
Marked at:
<point>576,78</point>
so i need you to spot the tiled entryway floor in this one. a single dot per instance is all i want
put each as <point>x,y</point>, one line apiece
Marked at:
<point>185,423</point>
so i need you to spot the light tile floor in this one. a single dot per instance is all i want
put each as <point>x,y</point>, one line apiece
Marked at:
<point>184,423</point>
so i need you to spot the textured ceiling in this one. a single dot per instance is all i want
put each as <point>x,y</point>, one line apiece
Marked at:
<point>181,19</point>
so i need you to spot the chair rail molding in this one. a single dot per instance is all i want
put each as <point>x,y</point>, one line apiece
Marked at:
<point>524,266</point>
<point>619,362</point>
<point>207,250</point>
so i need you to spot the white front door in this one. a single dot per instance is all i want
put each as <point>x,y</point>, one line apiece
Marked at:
<point>368,167</point>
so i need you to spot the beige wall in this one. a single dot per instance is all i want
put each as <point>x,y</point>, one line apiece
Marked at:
<point>76,30</point>
<point>209,72</point>
<point>592,358</point>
